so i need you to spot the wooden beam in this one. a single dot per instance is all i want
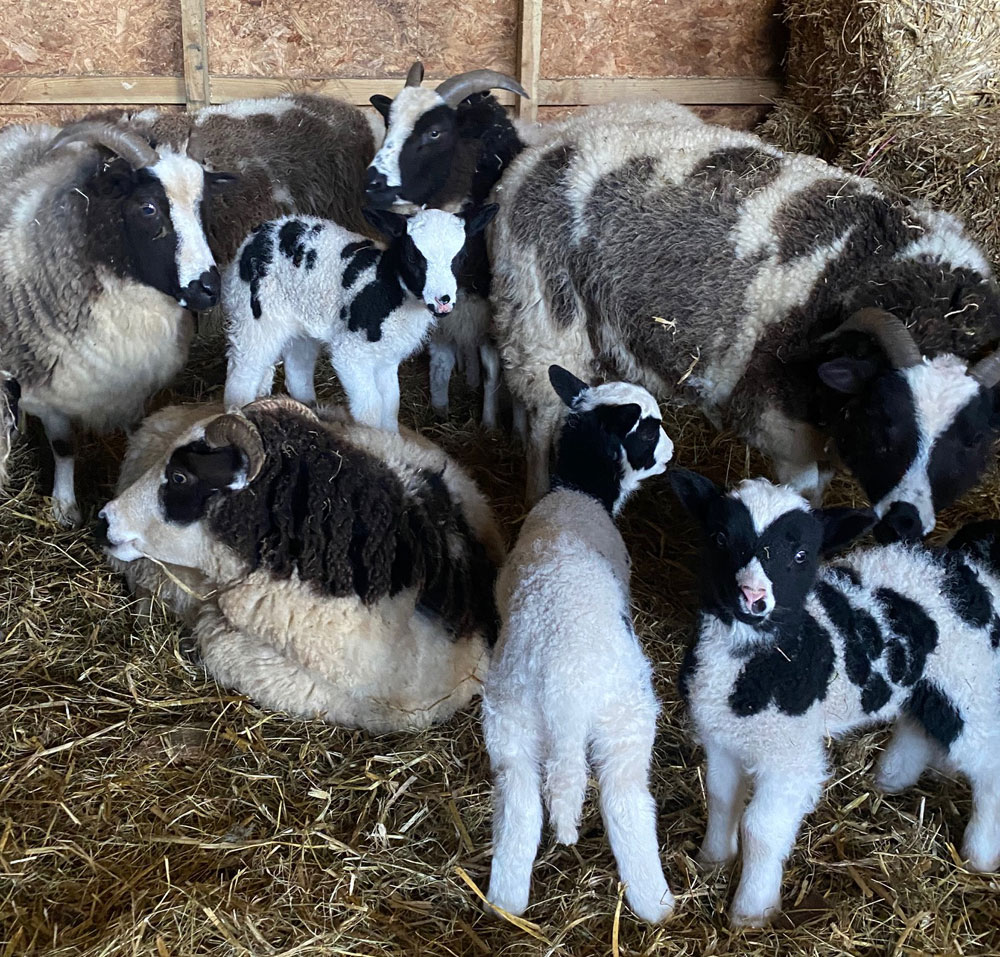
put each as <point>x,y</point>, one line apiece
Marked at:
<point>194,37</point>
<point>529,56</point>
<point>695,90</point>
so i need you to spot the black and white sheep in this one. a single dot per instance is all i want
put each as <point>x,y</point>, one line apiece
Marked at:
<point>341,571</point>
<point>790,652</point>
<point>300,285</point>
<point>638,241</point>
<point>568,677</point>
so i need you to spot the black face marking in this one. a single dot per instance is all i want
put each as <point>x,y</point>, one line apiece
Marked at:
<point>936,712</point>
<point>640,445</point>
<point>876,694</point>
<point>966,594</point>
<point>917,631</point>
<point>425,160</point>
<point>794,673</point>
<point>363,257</point>
<point>194,475</point>
<point>255,262</point>
<point>960,453</point>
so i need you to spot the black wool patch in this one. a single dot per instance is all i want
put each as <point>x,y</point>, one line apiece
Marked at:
<point>734,172</point>
<point>291,241</point>
<point>371,307</point>
<point>351,248</point>
<point>995,632</point>
<point>965,592</point>
<point>862,639</point>
<point>794,673</point>
<point>961,452</point>
<point>689,665</point>
<point>935,711</point>
<point>847,573</point>
<point>917,631</point>
<point>255,262</point>
<point>363,257</point>
<point>876,693</point>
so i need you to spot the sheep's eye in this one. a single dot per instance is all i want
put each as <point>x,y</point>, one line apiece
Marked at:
<point>800,556</point>
<point>178,478</point>
<point>148,209</point>
<point>720,539</point>
<point>433,134</point>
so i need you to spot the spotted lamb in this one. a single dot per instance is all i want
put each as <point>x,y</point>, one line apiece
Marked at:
<point>569,677</point>
<point>791,651</point>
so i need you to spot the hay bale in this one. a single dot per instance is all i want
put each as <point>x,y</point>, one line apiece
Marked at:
<point>952,160</point>
<point>851,60</point>
<point>790,126</point>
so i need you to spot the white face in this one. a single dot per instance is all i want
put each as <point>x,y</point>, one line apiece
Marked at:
<point>439,237</point>
<point>411,103</point>
<point>183,182</point>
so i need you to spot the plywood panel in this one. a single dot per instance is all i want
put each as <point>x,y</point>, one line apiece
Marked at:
<point>737,117</point>
<point>90,36</point>
<point>59,114</point>
<point>359,38</point>
<point>660,38</point>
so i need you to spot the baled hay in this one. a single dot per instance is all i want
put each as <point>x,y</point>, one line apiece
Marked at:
<point>950,160</point>
<point>146,811</point>
<point>849,60</point>
<point>792,127</point>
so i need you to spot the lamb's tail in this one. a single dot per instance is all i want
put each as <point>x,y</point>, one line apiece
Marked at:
<point>566,769</point>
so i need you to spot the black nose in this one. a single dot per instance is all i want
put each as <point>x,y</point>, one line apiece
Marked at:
<point>203,293</point>
<point>378,192</point>
<point>900,523</point>
<point>100,532</point>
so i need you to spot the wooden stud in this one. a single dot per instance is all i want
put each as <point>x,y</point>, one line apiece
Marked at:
<point>194,37</point>
<point>529,56</point>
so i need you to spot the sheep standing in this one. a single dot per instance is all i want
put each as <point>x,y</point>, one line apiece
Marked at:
<point>790,652</point>
<point>301,284</point>
<point>568,675</point>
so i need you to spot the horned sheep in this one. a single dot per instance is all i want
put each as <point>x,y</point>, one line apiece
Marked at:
<point>568,677</point>
<point>338,570</point>
<point>820,315</point>
<point>301,284</point>
<point>790,651</point>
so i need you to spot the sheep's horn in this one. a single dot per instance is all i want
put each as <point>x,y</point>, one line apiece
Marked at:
<point>237,430</point>
<point>900,347</point>
<point>127,144</point>
<point>415,76</point>
<point>457,88</point>
<point>987,371</point>
<point>276,403</point>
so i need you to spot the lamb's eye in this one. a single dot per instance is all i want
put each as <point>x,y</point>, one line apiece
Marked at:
<point>178,478</point>
<point>433,134</point>
<point>148,209</point>
<point>720,539</point>
<point>800,556</point>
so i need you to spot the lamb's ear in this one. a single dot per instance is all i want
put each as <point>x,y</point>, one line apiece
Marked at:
<point>568,387</point>
<point>847,375</point>
<point>695,491</point>
<point>476,220</point>
<point>385,221</point>
<point>842,525</point>
<point>383,104</point>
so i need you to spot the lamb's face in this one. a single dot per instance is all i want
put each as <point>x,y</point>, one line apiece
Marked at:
<point>763,545</point>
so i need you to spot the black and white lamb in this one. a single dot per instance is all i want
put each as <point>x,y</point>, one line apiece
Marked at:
<point>790,651</point>
<point>299,285</point>
<point>330,569</point>
<point>569,678</point>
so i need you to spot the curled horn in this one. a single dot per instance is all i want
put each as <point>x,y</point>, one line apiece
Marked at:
<point>237,430</point>
<point>415,76</point>
<point>276,403</point>
<point>987,371</point>
<point>900,347</point>
<point>128,145</point>
<point>457,88</point>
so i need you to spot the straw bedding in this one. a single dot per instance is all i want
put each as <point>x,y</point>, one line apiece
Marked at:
<point>144,810</point>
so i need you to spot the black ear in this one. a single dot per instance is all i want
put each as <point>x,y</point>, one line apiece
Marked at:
<point>476,220</point>
<point>386,222</point>
<point>383,104</point>
<point>220,180</point>
<point>619,419</point>
<point>568,387</point>
<point>847,375</point>
<point>695,491</point>
<point>842,525</point>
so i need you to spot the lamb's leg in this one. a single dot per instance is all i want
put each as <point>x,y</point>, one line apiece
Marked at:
<point>981,844</point>
<point>622,748</point>
<point>300,369</point>
<point>387,384</point>
<point>59,432</point>
<point>517,807</point>
<point>566,777</point>
<point>906,757</point>
<point>520,420</point>
<point>443,356</point>
<point>541,433</point>
<point>491,388</point>
<point>250,376</point>
<point>781,799</point>
<point>472,371</point>
<point>362,392</point>
<point>726,787</point>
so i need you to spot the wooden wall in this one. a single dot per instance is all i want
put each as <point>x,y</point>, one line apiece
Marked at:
<point>59,58</point>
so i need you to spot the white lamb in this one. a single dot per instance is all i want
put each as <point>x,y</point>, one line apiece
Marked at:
<point>568,674</point>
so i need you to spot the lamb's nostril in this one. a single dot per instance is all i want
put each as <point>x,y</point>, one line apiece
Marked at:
<point>446,299</point>
<point>100,531</point>
<point>759,606</point>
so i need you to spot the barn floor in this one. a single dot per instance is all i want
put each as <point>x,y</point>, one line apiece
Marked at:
<point>144,810</point>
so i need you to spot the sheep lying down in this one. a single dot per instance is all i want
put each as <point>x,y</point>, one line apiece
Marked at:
<point>328,568</point>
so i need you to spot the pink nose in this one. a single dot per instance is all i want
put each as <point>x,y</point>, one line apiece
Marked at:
<point>752,595</point>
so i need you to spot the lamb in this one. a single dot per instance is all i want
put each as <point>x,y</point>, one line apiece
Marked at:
<point>300,284</point>
<point>568,674</point>
<point>342,571</point>
<point>790,651</point>
<point>821,316</point>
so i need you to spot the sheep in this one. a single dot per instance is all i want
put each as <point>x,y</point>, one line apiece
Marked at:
<point>343,571</point>
<point>790,651</point>
<point>637,241</point>
<point>300,284</point>
<point>568,675</point>
<point>102,252</point>
<point>447,149</point>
